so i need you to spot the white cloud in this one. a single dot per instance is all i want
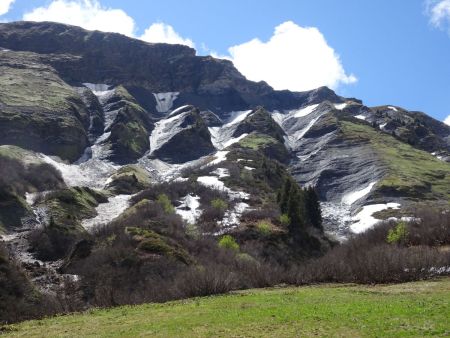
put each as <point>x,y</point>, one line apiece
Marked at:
<point>296,58</point>
<point>447,120</point>
<point>161,32</point>
<point>439,12</point>
<point>5,5</point>
<point>88,14</point>
<point>91,15</point>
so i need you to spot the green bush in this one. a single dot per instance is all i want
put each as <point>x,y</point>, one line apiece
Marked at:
<point>285,220</point>
<point>165,202</point>
<point>264,228</point>
<point>228,242</point>
<point>219,204</point>
<point>398,234</point>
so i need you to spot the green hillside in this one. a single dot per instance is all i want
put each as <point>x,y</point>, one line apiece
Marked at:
<point>413,309</point>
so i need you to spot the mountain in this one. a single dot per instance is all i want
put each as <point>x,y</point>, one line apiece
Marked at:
<point>98,128</point>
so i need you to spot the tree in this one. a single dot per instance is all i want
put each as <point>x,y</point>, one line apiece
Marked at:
<point>313,209</point>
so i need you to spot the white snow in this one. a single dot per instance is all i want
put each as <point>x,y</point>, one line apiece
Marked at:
<point>99,89</point>
<point>106,212</point>
<point>189,208</point>
<point>340,106</point>
<point>294,137</point>
<point>220,156</point>
<point>164,101</point>
<point>249,168</point>
<point>303,112</point>
<point>361,117</point>
<point>353,196</point>
<point>164,130</point>
<point>383,125</point>
<point>280,118</point>
<point>231,217</point>
<point>92,173</point>
<point>222,137</point>
<point>212,182</point>
<point>221,172</point>
<point>364,219</point>
<point>233,140</point>
<point>392,108</point>
<point>179,109</point>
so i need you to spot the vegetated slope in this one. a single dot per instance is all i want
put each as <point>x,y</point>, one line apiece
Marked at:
<point>131,171</point>
<point>412,309</point>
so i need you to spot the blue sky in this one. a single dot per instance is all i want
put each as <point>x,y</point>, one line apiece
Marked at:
<point>390,51</point>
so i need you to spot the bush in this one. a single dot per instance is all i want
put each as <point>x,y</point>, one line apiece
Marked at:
<point>285,220</point>
<point>264,228</point>
<point>219,204</point>
<point>398,234</point>
<point>228,242</point>
<point>165,202</point>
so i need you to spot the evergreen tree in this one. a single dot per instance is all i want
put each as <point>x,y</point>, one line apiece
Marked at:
<point>313,210</point>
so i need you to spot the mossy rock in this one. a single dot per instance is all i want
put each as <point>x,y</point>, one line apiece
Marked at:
<point>269,146</point>
<point>67,207</point>
<point>131,129</point>
<point>129,180</point>
<point>38,110</point>
<point>411,172</point>
<point>260,121</point>
<point>153,243</point>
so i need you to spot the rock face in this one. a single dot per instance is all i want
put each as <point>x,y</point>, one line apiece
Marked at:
<point>181,137</point>
<point>103,100</point>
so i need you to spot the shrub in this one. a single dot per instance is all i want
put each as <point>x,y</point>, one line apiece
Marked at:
<point>264,228</point>
<point>285,220</point>
<point>219,204</point>
<point>228,242</point>
<point>398,234</point>
<point>165,202</point>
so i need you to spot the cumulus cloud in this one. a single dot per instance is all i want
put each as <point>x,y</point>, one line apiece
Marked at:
<point>5,5</point>
<point>296,58</point>
<point>447,120</point>
<point>161,32</point>
<point>439,12</point>
<point>88,14</point>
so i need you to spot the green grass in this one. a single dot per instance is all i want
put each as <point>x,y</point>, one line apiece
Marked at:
<point>411,172</point>
<point>256,141</point>
<point>414,309</point>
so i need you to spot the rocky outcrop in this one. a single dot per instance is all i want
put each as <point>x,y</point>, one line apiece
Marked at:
<point>38,110</point>
<point>181,137</point>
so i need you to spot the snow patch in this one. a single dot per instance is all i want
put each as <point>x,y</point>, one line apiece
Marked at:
<point>220,156</point>
<point>212,182</point>
<point>222,137</point>
<point>221,172</point>
<point>92,173</point>
<point>364,219</point>
<point>164,101</point>
<point>353,196</point>
<point>233,140</point>
<point>189,208</point>
<point>106,212</point>
<point>164,130</point>
<point>303,112</point>
<point>249,168</point>
<point>383,125</point>
<point>340,106</point>
<point>179,110</point>
<point>361,117</point>
<point>99,89</point>
<point>392,108</point>
<point>231,218</point>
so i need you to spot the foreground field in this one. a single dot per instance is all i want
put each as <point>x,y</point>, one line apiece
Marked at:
<point>412,309</point>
